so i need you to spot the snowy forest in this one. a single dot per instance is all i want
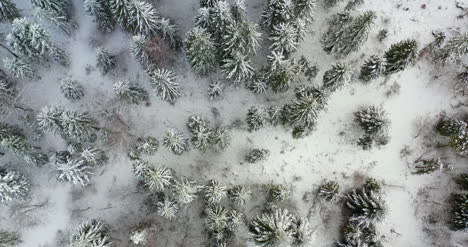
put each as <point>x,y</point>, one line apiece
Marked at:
<point>233,123</point>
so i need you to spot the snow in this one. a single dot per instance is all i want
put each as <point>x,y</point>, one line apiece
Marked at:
<point>330,152</point>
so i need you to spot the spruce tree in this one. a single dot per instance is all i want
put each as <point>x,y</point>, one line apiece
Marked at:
<point>75,171</point>
<point>93,156</point>
<point>240,194</point>
<point>13,186</point>
<point>373,120</point>
<point>284,39</point>
<point>215,191</point>
<point>273,229</point>
<point>36,159</point>
<point>8,11</point>
<point>400,55</point>
<point>257,117</point>
<point>93,233</point>
<point>216,218</point>
<point>164,83</point>
<point>215,90</point>
<point>208,3</point>
<point>9,239</point>
<point>356,33</point>
<point>243,37</point>
<point>352,4</point>
<point>329,191</point>
<point>257,154</point>
<point>450,126</point>
<point>175,141</point>
<point>139,51</point>
<point>220,18</point>
<point>147,146</point>
<point>305,9</point>
<point>168,32</point>
<point>282,72</point>
<point>372,68</point>
<point>130,92</point>
<point>357,234</point>
<point>459,142</point>
<point>303,112</point>
<point>367,206</point>
<point>276,12</point>
<point>185,190</point>
<point>136,16</point>
<point>275,114</point>
<point>429,165</point>
<point>276,192</point>
<point>459,217</point>
<point>29,40</point>
<point>220,137</point>
<point>155,178</point>
<point>167,208</point>
<point>200,50</point>
<point>105,61</point>
<point>71,89</point>
<point>237,67</point>
<point>453,50</point>
<point>56,12</point>
<point>462,181</point>
<point>201,138</point>
<point>20,68</point>
<point>100,10</point>
<point>337,76</point>
<point>333,38</point>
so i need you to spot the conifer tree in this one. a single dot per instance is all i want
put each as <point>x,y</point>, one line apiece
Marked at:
<point>130,92</point>
<point>337,76</point>
<point>136,16</point>
<point>220,137</point>
<point>367,206</point>
<point>100,10</point>
<point>400,55</point>
<point>273,229</point>
<point>220,18</point>
<point>276,192</point>
<point>215,90</point>
<point>450,126</point>
<point>356,33</point>
<point>36,159</point>
<point>75,171</point>
<point>164,83</point>
<point>459,142</point>
<point>201,138</point>
<point>336,32</point>
<point>237,67</point>
<point>453,50</point>
<point>460,212</point>
<point>29,40</point>
<point>105,61</point>
<point>331,3</point>
<point>352,4</point>
<point>215,191</point>
<point>357,234</point>
<point>13,186</point>
<point>275,114</point>
<point>138,50</point>
<point>208,3</point>
<point>282,72</point>
<point>185,190</point>
<point>201,51</point>
<point>257,154</point>
<point>463,76</point>
<point>240,194</point>
<point>56,12</point>
<point>71,89</point>
<point>303,112</point>
<point>216,218</point>
<point>284,38</point>
<point>305,9</point>
<point>93,156</point>
<point>257,117</point>
<point>462,181</point>
<point>372,68</point>
<point>167,208</point>
<point>329,191</point>
<point>175,141</point>
<point>93,233</point>
<point>8,11</point>
<point>429,165</point>
<point>373,120</point>
<point>243,37</point>
<point>276,12</point>
<point>148,145</point>
<point>9,239</point>
<point>20,68</point>
<point>155,178</point>
<point>168,32</point>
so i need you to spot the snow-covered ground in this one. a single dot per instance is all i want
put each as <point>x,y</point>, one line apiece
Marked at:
<point>330,152</point>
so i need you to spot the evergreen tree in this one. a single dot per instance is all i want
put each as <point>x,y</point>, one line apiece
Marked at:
<point>282,73</point>
<point>138,50</point>
<point>185,190</point>
<point>71,89</point>
<point>400,55</point>
<point>258,84</point>
<point>372,68</point>
<point>56,12</point>
<point>148,145</point>
<point>450,126</point>
<point>99,9</point>
<point>302,232</point>
<point>284,39</point>
<point>257,155</point>
<point>155,178</point>
<point>7,86</point>
<point>201,138</point>
<point>15,143</point>
<point>196,122</point>
<point>167,208</point>
<point>276,192</point>
<point>331,3</point>
<point>273,229</point>
<point>305,9</point>
<point>257,118</point>
<point>139,235</point>
<point>275,114</point>
<point>20,68</point>
<point>13,186</point>
<point>220,137</point>
<point>215,191</point>
<point>337,76</point>
<point>48,119</point>
<point>356,234</point>
<point>240,194</point>
<point>462,181</point>
<point>453,50</point>
<point>329,191</point>
<point>367,206</point>
<point>9,239</point>
<point>215,90</point>
<point>75,171</point>
<point>276,12</point>
<point>130,92</point>
<point>208,3</point>
<point>59,55</point>
<point>352,4</point>
<point>429,166</point>
<point>335,35</point>
<point>220,19</point>
<point>237,67</point>
<point>136,16</point>
<point>463,76</point>
<point>92,233</point>
<point>216,218</point>
<point>8,11</point>
<point>242,37</point>
<point>459,142</point>
<point>29,40</point>
<point>201,51</point>
<point>105,61</point>
<point>168,32</point>
<point>93,156</point>
<point>460,212</point>
<point>303,112</point>
<point>175,141</point>
<point>373,120</point>
<point>36,159</point>
<point>164,83</point>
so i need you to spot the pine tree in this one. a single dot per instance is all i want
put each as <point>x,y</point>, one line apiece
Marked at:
<point>275,114</point>
<point>216,218</point>
<point>196,122</point>
<point>93,233</point>
<point>148,145</point>
<point>138,50</point>
<point>276,12</point>
<point>460,212</point>
<point>400,55</point>
<point>453,50</point>
<point>276,192</point>
<point>367,206</point>
<point>208,3</point>
<point>356,234</point>
<point>175,141</point>
<point>94,156</point>
<point>100,10</point>
<point>130,92</point>
<point>71,89</point>
<point>273,229</point>
<point>329,191</point>
<point>29,40</point>
<point>258,84</point>
<point>257,118</point>
<point>462,181</point>
<point>201,138</point>
<point>242,37</point>
<point>463,76</point>
<point>185,190</point>
<point>215,90</point>
<point>136,16</point>
<point>450,126</point>
<point>168,32</point>
<point>257,155</point>
<point>429,166</point>
<point>9,239</point>
<point>13,186</point>
<point>155,178</point>
<point>36,159</point>
<point>56,12</point>
<point>48,119</point>
<point>215,191</point>
<point>8,11</point>
<point>303,112</point>
<point>331,3</point>
<point>220,137</point>
<point>220,19</point>
<point>352,4</point>
<point>20,68</point>
<point>282,72</point>
<point>337,76</point>
<point>16,143</point>
<point>77,125</point>
<point>284,39</point>
<point>305,9</point>
<point>75,171</point>
<point>373,120</point>
<point>335,35</point>
<point>240,194</point>
<point>164,83</point>
<point>105,61</point>
<point>237,67</point>
<point>459,142</point>
<point>167,208</point>
<point>372,68</point>
<point>139,235</point>
<point>201,51</point>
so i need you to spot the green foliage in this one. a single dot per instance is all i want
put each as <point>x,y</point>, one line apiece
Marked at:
<point>257,155</point>
<point>462,181</point>
<point>453,50</point>
<point>329,191</point>
<point>71,89</point>
<point>400,55</point>
<point>136,16</point>
<point>276,192</point>
<point>164,83</point>
<point>257,117</point>
<point>154,178</point>
<point>372,68</point>
<point>93,233</point>
<point>240,194</point>
<point>366,206</point>
<point>175,141</point>
<point>100,10</point>
<point>459,217</point>
<point>375,123</point>
<point>215,191</point>
<point>429,166</point>
<point>337,76</point>
<point>105,61</point>
<point>282,72</point>
<point>13,186</point>
<point>130,92</point>
<point>273,229</point>
<point>8,11</point>
<point>9,239</point>
<point>450,126</point>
